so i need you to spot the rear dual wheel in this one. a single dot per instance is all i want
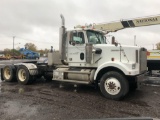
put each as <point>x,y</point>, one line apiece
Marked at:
<point>8,73</point>
<point>23,75</point>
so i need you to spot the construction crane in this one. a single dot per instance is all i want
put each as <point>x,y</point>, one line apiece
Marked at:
<point>122,24</point>
<point>153,57</point>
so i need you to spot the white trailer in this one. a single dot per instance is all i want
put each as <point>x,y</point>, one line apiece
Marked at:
<point>153,62</point>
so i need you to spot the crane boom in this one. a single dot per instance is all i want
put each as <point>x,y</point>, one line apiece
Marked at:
<point>122,24</point>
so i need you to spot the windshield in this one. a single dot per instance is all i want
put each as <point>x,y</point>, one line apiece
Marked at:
<point>95,37</point>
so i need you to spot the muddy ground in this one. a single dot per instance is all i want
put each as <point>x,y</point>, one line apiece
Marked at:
<point>53,100</point>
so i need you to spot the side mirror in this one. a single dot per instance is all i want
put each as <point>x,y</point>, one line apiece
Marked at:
<point>71,41</point>
<point>71,38</point>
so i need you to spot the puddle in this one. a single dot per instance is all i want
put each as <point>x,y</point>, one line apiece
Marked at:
<point>13,107</point>
<point>14,88</point>
<point>21,90</point>
<point>77,88</point>
<point>24,89</point>
<point>69,87</point>
<point>61,86</point>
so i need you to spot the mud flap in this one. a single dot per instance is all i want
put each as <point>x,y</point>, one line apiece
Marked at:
<point>1,74</point>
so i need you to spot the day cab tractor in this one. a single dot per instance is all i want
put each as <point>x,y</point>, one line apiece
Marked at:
<point>84,57</point>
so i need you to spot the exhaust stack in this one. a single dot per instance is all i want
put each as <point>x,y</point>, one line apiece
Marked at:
<point>62,41</point>
<point>63,20</point>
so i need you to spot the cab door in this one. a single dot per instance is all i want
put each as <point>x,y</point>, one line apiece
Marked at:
<point>76,49</point>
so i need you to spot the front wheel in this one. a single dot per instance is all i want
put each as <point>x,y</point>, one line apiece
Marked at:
<point>114,85</point>
<point>23,75</point>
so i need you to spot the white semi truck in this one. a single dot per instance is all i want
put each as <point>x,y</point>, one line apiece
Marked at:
<point>84,57</point>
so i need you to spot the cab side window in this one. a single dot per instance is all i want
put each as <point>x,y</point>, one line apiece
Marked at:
<point>78,38</point>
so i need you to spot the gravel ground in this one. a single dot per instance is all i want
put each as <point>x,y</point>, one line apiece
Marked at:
<point>53,100</point>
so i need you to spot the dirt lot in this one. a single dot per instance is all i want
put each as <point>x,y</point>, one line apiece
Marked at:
<point>52,100</point>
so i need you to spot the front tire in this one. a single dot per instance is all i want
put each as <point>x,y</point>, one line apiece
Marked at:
<point>23,75</point>
<point>114,85</point>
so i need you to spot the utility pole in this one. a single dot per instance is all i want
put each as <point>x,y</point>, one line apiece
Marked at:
<point>13,44</point>
<point>153,46</point>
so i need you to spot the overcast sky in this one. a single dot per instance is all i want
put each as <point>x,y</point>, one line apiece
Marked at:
<point>38,21</point>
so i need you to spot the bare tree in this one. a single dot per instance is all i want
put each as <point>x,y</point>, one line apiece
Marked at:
<point>158,46</point>
<point>31,46</point>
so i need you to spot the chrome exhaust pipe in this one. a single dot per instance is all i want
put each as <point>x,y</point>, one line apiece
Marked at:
<point>62,41</point>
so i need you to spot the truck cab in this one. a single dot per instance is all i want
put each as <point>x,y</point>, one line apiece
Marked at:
<point>88,48</point>
<point>91,60</point>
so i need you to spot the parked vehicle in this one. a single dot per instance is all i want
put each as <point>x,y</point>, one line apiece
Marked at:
<point>84,57</point>
<point>29,54</point>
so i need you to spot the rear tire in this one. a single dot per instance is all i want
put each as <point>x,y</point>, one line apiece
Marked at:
<point>114,85</point>
<point>23,75</point>
<point>8,73</point>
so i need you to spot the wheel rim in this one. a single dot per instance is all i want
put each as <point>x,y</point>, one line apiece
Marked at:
<point>7,73</point>
<point>22,75</point>
<point>112,86</point>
